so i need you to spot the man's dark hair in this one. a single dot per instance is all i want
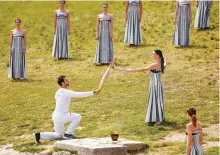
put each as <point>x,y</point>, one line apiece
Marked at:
<point>60,79</point>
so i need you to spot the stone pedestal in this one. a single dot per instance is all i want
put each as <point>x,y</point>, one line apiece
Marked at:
<point>99,146</point>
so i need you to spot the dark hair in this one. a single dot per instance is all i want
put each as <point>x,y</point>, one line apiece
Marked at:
<point>60,79</point>
<point>192,112</point>
<point>62,1</point>
<point>159,52</point>
<point>18,19</point>
<point>105,4</point>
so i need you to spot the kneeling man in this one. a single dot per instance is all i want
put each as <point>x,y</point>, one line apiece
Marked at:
<point>61,114</point>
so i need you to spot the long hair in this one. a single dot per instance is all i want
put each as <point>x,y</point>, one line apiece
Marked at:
<point>192,112</point>
<point>159,52</point>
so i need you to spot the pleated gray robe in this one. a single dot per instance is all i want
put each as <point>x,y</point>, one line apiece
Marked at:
<point>17,66</point>
<point>60,44</point>
<point>196,148</point>
<point>104,48</point>
<point>133,26</point>
<point>155,110</point>
<point>181,35</point>
<point>202,14</point>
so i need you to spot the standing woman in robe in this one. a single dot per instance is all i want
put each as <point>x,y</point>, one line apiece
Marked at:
<point>133,15</point>
<point>61,32</point>
<point>17,68</point>
<point>194,134</point>
<point>104,35</point>
<point>155,111</point>
<point>202,13</point>
<point>183,19</point>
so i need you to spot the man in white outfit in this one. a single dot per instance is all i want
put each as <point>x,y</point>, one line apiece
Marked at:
<point>61,114</point>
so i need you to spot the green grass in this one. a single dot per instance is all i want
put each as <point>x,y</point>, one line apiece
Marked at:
<point>213,151</point>
<point>190,79</point>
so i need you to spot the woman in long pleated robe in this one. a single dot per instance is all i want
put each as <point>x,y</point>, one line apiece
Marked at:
<point>17,65</point>
<point>61,32</point>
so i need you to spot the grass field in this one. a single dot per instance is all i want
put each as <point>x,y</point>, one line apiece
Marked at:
<point>190,79</point>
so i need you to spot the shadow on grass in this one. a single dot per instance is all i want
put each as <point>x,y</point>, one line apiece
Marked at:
<point>206,29</point>
<point>64,59</point>
<point>25,80</point>
<point>55,149</point>
<point>142,150</point>
<point>140,46</point>
<point>28,147</point>
<point>169,124</point>
<point>191,47</point>
<point>101,65</point>
<point>106,65</point>
<point>197,47</point>
<point>121,65</point>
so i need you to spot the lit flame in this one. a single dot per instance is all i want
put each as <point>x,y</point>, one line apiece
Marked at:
<point>115,132</point>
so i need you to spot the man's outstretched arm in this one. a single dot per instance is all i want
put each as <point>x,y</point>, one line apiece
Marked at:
<point>71,93</point>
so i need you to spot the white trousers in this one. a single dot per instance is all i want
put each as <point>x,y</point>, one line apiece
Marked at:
<point>59,121</point>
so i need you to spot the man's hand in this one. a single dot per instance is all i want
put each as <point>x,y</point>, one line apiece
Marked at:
<point>96,92</point>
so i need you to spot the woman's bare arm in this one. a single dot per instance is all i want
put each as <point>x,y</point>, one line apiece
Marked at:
<point>211,3</point>
<point>25,43</point>
<point>190,12</point>
<point>68,21</point>
<point>177,9</point>
<point>55,21</point>
<point>140,10</point>
<point>165,61</point>
<point>111,28</point>
<point>97,28</point>
<point>11,41</point>
<point>200,138</point>
<point>189,140</point>
<point>126,10</point>
<point>150,67</point>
